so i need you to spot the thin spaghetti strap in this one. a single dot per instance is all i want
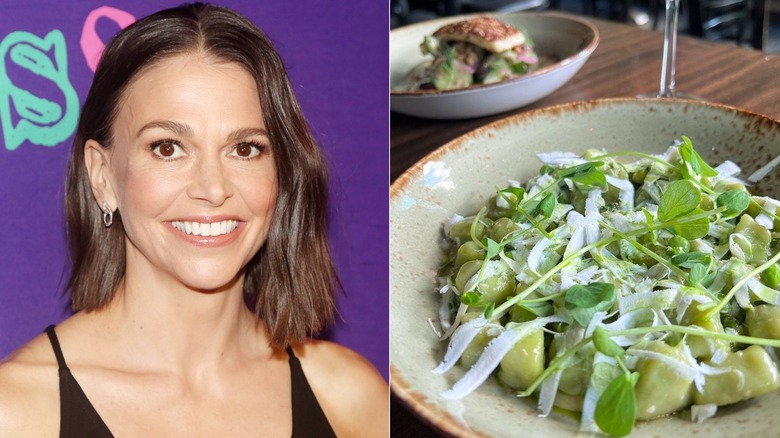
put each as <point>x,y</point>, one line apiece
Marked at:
<point>78,418</point>
<point>308,418</point>
<point>55,345</point>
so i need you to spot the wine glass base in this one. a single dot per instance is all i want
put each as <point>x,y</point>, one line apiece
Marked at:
<point>674,95</point>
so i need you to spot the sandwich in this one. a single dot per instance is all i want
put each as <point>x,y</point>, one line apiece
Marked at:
<point>481,50</point>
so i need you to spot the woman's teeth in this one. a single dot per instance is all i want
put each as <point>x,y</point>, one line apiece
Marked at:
<point>205,229</point>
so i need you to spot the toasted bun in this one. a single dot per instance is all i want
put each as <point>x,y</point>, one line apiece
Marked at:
<point>489,33</point>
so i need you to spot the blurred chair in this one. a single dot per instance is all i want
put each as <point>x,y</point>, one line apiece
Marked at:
<point>403,12</point>
<point>505,5</point>
<point>740,21</point>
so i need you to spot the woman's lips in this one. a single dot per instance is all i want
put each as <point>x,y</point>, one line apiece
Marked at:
<point>207,233</point>
<point>205,229</point>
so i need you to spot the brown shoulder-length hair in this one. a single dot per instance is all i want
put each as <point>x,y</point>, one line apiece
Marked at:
<point>290,283</point>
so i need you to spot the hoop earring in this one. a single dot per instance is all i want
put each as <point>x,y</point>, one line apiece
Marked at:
<point>108,215</point>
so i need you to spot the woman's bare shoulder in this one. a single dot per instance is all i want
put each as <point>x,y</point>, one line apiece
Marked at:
<point>29,391</point>
<point>350,390</point>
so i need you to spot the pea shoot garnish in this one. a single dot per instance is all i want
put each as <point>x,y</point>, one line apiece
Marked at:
<point>601,278</point>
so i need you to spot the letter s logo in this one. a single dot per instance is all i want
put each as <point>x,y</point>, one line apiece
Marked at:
<point>41,121</point>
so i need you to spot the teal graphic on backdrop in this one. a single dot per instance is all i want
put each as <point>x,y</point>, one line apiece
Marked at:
<point>41,121</point>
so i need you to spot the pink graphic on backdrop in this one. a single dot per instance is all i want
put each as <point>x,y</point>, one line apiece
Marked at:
<point>91,44</point>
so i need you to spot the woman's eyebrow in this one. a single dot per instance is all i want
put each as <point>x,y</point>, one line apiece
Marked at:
<point>177,128</point>
<point>243,133</point>
<point>182,129</point>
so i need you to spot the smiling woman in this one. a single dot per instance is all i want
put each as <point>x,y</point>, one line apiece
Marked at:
<point>196,204</point>
<point>184,166</point>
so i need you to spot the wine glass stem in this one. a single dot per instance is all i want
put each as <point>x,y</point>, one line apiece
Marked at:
<point>670,48</point>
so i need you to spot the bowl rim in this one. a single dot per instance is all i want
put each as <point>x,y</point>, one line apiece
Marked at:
<point>426,412</point>
<point>398,185</point>
<point>583,53</point>
<point>399,386</point>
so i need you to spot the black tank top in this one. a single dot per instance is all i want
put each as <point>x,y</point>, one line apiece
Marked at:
<point>79,419</point>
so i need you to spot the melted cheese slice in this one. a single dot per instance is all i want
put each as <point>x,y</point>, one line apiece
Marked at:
<point>489,33</point>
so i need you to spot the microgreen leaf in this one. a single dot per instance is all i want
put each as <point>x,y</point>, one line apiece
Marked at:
<point>693,164</point>
<point>493,248</point>
<point>547,205</point>
<point>650,223</point>
<point>648,217</point>
<point>708,279</point>
<point>586,174</point>
<point>603,374</point>
<point>470,298</point>
<point>679,244</point>
<point>519,192</point>
<point>691,259</point>
<point>585,300</point>
<point>735,201</point>
<point>579,169</point>
<point>693,229</point>
<point>605,344</point>
<point>529,205</point>
<point>538,308</point>
<point>591,179</point>
<point>680,198</point>
<point>489,307</point>
<point>517,197</point>
<point>615,411</point>
<point>696,274</point>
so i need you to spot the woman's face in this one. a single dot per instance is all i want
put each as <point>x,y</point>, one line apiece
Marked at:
<point>191,171</point>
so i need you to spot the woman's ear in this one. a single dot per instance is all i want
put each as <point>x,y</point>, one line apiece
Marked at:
<point>97,160</point>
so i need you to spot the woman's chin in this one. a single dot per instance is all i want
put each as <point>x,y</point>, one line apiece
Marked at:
<point>209,284</point>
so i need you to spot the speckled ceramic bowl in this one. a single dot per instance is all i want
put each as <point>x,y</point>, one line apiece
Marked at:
<point>567,40</point>
<point>468,170</point>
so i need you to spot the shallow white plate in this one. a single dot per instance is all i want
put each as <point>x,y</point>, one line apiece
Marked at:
<point>471,167</point>
<point>558,36</point>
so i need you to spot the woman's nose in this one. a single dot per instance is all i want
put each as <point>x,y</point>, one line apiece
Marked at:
<point>210,182</point>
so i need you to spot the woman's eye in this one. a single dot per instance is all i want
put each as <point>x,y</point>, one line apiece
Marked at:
<point>167,149</point>
<point>247,150</point>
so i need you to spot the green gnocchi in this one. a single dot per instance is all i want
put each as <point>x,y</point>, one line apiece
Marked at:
<point>601,277</point>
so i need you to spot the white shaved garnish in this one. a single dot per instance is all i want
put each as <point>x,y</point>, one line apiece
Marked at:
<point>726,169</point>
<point>560,158</point>
<point>460,340</point>
<point>491,356</point>
<point>701,413</point>
<point>759,174</point>
<point>547,394</point>
<point>584,258</point>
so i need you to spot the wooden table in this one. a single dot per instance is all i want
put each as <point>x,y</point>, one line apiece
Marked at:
<point>626,63</point>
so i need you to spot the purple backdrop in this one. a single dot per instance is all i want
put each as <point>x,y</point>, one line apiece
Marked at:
<point>337,57</point>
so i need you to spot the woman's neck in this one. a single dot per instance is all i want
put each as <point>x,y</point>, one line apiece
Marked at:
<point>169,326</point>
